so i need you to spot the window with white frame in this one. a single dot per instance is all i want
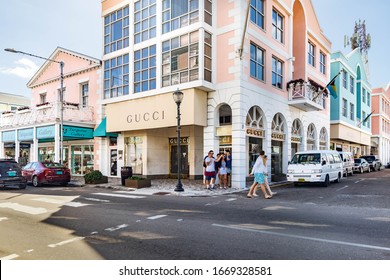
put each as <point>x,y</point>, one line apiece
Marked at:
<point>277,26</point>
<point>179,13</point>
<point>345,76</point>
<point>207,56</point>
<point>145,69</point>
<point>257,62</point>
<point>116,30</point>
<point>180,59</point>
<point>364,118</point>
<point>345,107</point>
<point>368,99</point>
<point>277,73</point>
<point>351,111</point>
<point>311,55</point>
<point>42,98</point>
<point>144,20</point>
<point>208,7</point>
<point>322,63</point>
<point>257,12</point>
<point>364,95</point>
<point>116,76</point>
<point>84,94</point>
<point>352,85</point>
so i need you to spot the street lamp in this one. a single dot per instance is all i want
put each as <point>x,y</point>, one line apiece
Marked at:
<point>178,98</point>
<point>61,63</point>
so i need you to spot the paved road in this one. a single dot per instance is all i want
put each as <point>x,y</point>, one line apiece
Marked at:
<point>349,220</point>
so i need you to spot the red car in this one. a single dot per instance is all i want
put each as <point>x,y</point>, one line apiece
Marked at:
<point>39,173</point>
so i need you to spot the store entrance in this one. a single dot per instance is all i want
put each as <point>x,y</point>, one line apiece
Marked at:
<point>184,170</point>
<point>277,160</point>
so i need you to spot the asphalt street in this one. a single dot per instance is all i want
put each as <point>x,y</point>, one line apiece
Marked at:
<point>348,220</point>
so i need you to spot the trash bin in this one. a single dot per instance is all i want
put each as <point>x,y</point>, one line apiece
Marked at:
<point>126,172</point>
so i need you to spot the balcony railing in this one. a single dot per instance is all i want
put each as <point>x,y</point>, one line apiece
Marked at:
<point>305,96</point>
<point>49,112</point>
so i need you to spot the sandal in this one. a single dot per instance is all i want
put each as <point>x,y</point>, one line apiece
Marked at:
<point>249,196</point>
<point>267,197</point>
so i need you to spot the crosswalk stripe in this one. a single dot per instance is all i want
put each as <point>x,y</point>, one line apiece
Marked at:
<point>120,195</point>
<point>60,202</point>
<point>9,257</point>
<point>156,217</point>
<point>24,208</point>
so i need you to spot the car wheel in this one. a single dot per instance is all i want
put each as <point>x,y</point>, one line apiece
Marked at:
<point>362,170</point>
<point>338,178</point>
<point>369,169</point>
<point>326,182</point>
<point>296,184</point>
<point>35,181</point>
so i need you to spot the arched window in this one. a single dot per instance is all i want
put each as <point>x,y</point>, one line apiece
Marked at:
<point>278,124</point>
<point>323,139</point>
<point>311,137</point>
<point>225,115</point>
<point>254,118</point>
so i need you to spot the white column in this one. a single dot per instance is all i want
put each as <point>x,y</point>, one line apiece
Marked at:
<point>2,150</point>
<point>57,142</point>
<point>17,147</point>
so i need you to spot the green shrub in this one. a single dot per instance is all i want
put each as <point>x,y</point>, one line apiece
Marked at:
<point>93,176</point>
<point>135,178</point>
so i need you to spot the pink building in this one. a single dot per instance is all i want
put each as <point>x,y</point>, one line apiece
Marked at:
<point>34,131</point>
<point>380,140</point>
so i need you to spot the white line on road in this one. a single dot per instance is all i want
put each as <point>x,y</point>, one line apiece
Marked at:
<point>23,208</point>
<point>278,207</point>
<point>96,199</point>
<point>117,227</point>
<point>231,199</point>
<point>60,202</point>
<point>120,195</point>
<point>306,238</point>
<point>65,242</point>
<point>9,257</point>
<point>358,181</point>
<point>156,217</point>
<point>380,219</point>
<point>3,219</point>
<point>342,188</point>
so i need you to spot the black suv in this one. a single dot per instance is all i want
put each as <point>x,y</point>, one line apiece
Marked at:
<point>11,174</point>
<point>375,164</point>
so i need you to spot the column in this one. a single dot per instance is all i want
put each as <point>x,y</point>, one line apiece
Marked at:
<point>57,142</point>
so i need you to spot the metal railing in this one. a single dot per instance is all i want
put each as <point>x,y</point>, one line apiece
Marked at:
<point>304,90</point>
<point>46,113</point>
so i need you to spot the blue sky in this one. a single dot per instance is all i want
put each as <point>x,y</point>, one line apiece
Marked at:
<point>40,26</point>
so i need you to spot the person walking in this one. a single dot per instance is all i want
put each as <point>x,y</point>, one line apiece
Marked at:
<point>223,172</point>
<point>228,158</point>
<point>258,171</point>
<point>266,184</point>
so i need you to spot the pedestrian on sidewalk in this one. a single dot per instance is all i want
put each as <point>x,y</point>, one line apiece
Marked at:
<point>210,172</point>
<point>258,171</point>
<point>228,158</point>
<point>223,172</point>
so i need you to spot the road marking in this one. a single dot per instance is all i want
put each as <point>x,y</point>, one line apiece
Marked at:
<point>278,207</point>
<point>120,195</point>
<point>9,257</point>
<point>305,237</point>
<point>156,217</point>
<point>24,208</point>
<point>117,227</point>
<point>96,199</point>
<point>3,219</point>
<point>231,199</point>
<point>60,202</point>
<point>358,181</point>
<point>65,242</point>
<point>342,188</point>
<point>290,223</point>
<point>381,219</point>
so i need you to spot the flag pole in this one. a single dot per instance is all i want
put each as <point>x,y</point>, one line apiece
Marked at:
<point>331,81</point>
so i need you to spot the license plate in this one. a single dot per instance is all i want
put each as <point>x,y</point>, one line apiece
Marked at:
<point>11,173</point>
<point>59,172</point>
<point>301,180</point>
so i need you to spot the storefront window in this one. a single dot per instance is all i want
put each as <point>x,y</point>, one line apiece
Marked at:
<point>81,159</point>
<point>46,153</point>
<point>134,154</point>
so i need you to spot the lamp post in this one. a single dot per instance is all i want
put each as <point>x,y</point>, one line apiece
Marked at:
<point>61,63</point>
<point>178,98</point>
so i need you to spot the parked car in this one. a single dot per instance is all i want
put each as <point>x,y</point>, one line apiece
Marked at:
<point>11,174</point>
<point>348,162</point>
<point>375,163</point>
<point>361,165</point>
<point>39,173</point>
<point>320,166</point>
<point>388,165</point>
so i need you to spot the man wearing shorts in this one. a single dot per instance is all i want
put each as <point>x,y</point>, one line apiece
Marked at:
<point>209,172</point>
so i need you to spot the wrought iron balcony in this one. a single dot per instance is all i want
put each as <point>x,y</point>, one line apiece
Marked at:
<point>46,113</point>
<point>306,96</point>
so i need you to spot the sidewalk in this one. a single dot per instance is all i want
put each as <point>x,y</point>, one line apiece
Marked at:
<point>192,188</point>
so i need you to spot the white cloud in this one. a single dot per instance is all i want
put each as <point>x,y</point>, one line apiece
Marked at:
<point>25,68</point>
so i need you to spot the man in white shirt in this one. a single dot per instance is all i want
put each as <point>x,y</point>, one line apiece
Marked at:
<point>210,172</point>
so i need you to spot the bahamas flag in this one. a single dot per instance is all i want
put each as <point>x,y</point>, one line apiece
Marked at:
<point>332,88</point>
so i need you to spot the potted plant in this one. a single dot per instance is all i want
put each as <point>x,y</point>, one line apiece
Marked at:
<point>95,177</point>
<point>138,182</point>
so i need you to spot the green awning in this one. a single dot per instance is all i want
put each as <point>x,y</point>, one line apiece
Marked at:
<point>101,130</point>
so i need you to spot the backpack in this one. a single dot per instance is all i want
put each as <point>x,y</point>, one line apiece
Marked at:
<point>204,162</point>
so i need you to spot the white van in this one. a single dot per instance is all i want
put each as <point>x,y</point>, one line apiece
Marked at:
<point>321,166</point>
<point>348,162</point>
